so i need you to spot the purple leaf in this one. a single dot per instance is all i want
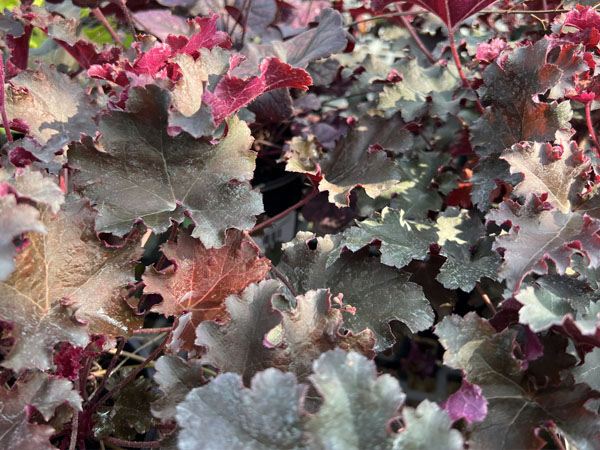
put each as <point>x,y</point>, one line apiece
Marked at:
<point>466,403</point>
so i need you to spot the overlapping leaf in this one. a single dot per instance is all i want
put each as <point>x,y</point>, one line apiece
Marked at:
<point>515,411</point>
<point>517,114</point>
<point>223,414</point>
<point>54,109</point>
<point>378,292</point>
<point>67,264</point>
<point>401,240</point>
<point>201,278</point>
<point>547,169</point>
<point>143,173</point>
<point>539,234</point>
<point>39,391</point>
<point>241,344</point>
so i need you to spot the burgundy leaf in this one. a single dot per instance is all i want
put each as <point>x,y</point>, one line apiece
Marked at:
<point>466,403</point>
<point>233,93</point>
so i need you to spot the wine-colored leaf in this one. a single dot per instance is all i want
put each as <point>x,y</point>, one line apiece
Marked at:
<point>202,278</point>
<point>466,403</point>
<point>39,391</point>
<point>516,114</point>
<point>67,265</point>
<point>451,12</point>
<point>37,187</point>
<point>378,292</point>
<point>171,174</point>
<point>232,93</point>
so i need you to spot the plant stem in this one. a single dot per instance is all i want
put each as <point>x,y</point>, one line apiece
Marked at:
<point>111,365</point>
<point>284,280</point>
<point>163,259</point>
<point>83,376</point>
<point>590,126</point>
<point>132,444</point>
<point>123,5</point>
<point>555,438</point>
<point>74,422</point>
<point>461,74</point>
<point>486,298</point>
<point>152,330</point>
<point>5,121</point>
<point>417,39</point>
<point>275,218</point>
<point>102,19</point>
<point>133,374</point>
<point>246,21</point>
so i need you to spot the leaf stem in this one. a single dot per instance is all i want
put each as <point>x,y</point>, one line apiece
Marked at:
<point>123,5</point>
<point>109,369</point>
<point>417,39</point>
<point>74,423</point>
<point>102,19</point>
<point>555,438</point>
<point>486,298</point>
<point>132,444</point>
<point>134,373</point>
<point>5,121</point>
<point>590,126</point>
<point>163,259</point>
<point>284,280</point>
<point>152,330</point>
<point>461,73</point>
<point>284,213</point>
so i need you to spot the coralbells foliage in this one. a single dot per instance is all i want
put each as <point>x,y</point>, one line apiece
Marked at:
<point>462,196</point>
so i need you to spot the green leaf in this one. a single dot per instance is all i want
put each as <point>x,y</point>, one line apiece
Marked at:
<point>589,371</point>
<point>172,175</point>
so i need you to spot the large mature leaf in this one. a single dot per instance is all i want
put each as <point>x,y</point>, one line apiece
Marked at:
<point>241,344</point>
<point>378,292</point>
<point>516,114</point>
<point>401,240</point>
<point>439,435</point>
<point>539,234</point>
<point>548,169</point>
<point>359,160</point>
<point>143,173</point>
<point>452,12</point>
<point>15,219</point>
<point>39,391</point>
<point>176,378</point>
<point>224,414</point>
<point>201,278</point>
<point>515,410</point>
<point>357,405</point>
<point>68,264</point>
<point>56,110</point>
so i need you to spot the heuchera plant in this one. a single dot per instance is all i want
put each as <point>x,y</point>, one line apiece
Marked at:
<point>262,224</point>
